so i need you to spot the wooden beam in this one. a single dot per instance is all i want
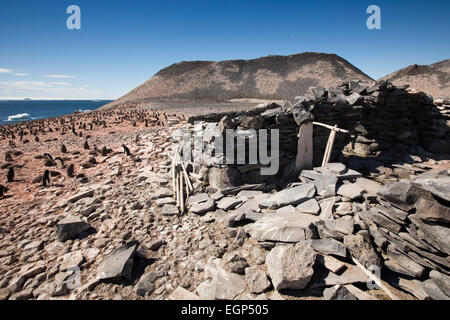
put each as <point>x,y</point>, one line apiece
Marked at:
<point>375,279</point>
<point>335,128</point>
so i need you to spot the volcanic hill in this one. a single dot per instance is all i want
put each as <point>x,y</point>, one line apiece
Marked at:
<point>271,77</point>
<point>434,79</point>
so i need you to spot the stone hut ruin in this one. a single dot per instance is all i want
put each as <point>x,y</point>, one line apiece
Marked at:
<point>380,125</point>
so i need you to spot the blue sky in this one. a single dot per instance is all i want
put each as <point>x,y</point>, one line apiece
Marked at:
<point>123,43</point>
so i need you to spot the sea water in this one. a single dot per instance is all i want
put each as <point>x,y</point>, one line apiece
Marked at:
<point>19,111</point>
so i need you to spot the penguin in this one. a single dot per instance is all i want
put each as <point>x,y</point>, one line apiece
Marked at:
<point>60,163</point>
<point>46,178</point>
<point>126,150</point>
<point>70,170</point>
<point>10,174</point>
<point>49,157</point>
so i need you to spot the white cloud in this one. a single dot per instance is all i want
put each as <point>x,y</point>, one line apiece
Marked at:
<point>21,74</point>
<point>58,76</point>
<point>45,89</point>
<point>3,70</point>
<point>66,84</point>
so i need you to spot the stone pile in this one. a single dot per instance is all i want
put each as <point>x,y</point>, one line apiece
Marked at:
<point>410,225</point>
<point>314,230</point>
<point>334,215</point>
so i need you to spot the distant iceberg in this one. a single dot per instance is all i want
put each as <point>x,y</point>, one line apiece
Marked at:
<point>18,116</point>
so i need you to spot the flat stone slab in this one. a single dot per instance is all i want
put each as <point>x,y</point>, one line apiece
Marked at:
<point>283,227</point>
<point>326,208</point>
<point>203,207</point>
<point>338,227</point>
<point>439,187</point>
<point>169,210</point>
<point>228,203</point>
<point>291,196</point>
<point>81,195</point>
<point>351,191</point>
<point>326,185</point>
<point>251,204</point>
<point>309,206</point>
<point>198,198</point>
<point>162,201</point>
<point>349,174</point>
<point>248,194</point>
<point>371,187</point>
<point>161,193</point>
<point>337,168</point>
<point>329,246</point>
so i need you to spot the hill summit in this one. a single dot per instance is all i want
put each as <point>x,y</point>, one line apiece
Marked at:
<point>271,77</point>
<point>433,79</point>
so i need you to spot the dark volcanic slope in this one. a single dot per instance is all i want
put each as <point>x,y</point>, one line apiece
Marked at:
<point>272,77</point>
<point>433,79</point>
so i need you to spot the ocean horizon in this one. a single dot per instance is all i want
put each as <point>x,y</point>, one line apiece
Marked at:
<point>14,111</point>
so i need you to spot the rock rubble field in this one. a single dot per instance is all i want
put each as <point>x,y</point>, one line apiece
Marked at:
<point>108,224</point>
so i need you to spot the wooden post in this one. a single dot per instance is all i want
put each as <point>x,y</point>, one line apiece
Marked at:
<point>329,147</point>
<point>181,193</point>
<point>174,176</point>
<point>177,186</point>
<point>305,147</point>
<point>186,176</point>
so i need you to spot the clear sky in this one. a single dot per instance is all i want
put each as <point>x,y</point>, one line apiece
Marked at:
<point>123,43</point>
